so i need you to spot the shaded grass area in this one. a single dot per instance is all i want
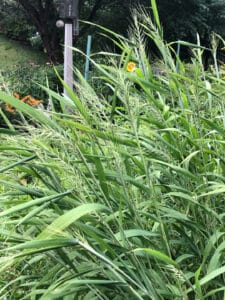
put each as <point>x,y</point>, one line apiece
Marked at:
<point>13,53</point>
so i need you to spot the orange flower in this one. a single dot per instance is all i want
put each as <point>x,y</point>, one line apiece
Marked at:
<point>16,95</point>
<point>26,99</point>
<point>33,102</point>
<point>131,66</point>
<point>9,108</point>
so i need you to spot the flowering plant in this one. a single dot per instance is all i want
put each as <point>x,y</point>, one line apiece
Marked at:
<point>28,99</point>
<point>131,66</point>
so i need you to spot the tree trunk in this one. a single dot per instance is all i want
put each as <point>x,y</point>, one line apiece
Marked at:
<point>43,15</point>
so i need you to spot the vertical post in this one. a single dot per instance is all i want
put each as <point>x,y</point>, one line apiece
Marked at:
<point>68,56</point>
<point>87,63</point>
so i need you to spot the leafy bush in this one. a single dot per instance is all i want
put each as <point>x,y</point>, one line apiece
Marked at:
<point>99,204</point>
<point>36,41</point>
<point>14,23</point>
<point>26,79</point>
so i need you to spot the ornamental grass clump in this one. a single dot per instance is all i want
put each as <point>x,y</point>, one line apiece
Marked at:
<point>111,203</point>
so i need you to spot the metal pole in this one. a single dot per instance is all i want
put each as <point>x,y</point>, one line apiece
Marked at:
<point>87,63</point>
<point>68,56</point>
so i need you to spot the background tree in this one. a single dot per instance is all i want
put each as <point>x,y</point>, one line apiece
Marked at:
<point>181,19</point>
<point>43,14</point>
<point>13,21</point>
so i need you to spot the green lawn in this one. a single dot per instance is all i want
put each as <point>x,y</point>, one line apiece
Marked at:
<point>14,53</point>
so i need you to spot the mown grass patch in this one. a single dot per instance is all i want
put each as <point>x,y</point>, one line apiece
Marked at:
<point>13,53</point>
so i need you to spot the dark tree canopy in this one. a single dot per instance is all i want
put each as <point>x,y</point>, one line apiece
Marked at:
<point>181,19</point>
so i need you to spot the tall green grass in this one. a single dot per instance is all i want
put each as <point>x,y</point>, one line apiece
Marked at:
<point>121,200</point>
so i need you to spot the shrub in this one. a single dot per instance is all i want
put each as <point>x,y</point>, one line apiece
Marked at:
<point>26,79</point>
<point>36,41</point>
<point>14,23</point>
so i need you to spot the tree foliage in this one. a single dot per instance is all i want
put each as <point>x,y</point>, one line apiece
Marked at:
<point>181,19</point>
<point>43,14</point>
<point>14,25</point>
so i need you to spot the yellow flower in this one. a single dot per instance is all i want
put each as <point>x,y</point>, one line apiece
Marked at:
<point>131,66</point>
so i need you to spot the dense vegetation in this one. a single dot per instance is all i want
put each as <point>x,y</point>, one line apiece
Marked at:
<point>22,68</point>
<point>123,198</point>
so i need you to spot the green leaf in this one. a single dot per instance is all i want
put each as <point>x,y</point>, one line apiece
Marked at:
<point>79,105</point>
<point>22,188</point>
<point>213,125</point>
<point>212,275</point>
<point>184,196</point>
<point>70,287</point>
<point>156,254</point>
<point>215,260</point>
<point>8,131</point>
<point>213,292</point>
<point>217,189</point>
<point>177,169</point>
<point>133,233</point>
<point>103,134</point>
<point>43,245</point>
<point>62,222</point>
<point>208,278</point>
<point>197,283</point>
<point>20,162</point>
<point>155,13</point>
<point>31,203</point>
<point>172,213</point>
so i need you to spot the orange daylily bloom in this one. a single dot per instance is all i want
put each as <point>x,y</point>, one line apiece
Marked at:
<point>16,95</point>
<point>33,102</point>
<point>26,99</point>
<point>9,108</point>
